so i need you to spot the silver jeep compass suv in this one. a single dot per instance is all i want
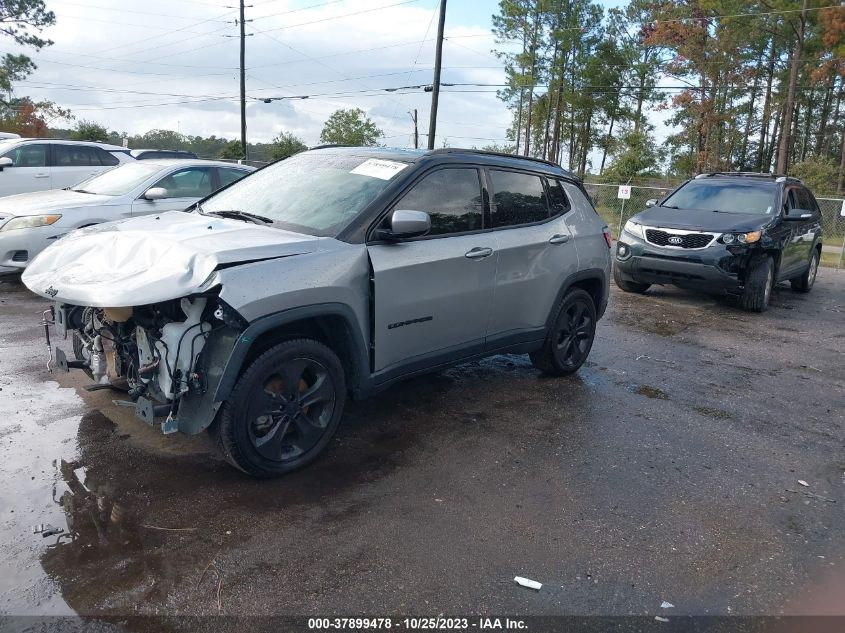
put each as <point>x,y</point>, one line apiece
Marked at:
<point>335,272</point>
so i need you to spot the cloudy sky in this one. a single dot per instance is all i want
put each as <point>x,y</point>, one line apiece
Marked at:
<point>173,64</point>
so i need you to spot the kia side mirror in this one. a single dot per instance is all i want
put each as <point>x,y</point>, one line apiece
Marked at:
<point>405,224</point>
<point>156,193</point>
<point>796,215</point>
<point>651,203</point>
<point>6,162</point>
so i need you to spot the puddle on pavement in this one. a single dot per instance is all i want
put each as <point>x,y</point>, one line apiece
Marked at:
<point>710,412</point>
<point>650,392</point>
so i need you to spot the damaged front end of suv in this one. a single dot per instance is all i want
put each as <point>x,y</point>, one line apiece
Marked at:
<point>161,354</point>
<point>139,302</point>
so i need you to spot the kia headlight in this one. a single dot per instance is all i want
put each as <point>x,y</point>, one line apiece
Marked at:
<point>632,228</point>
<point>741,238</point>
<point>29,222</point>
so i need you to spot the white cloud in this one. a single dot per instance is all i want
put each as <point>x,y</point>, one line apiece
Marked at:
<point>109,55</point>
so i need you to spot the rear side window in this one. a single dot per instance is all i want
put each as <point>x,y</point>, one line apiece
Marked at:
<point>558,200</point>
<point>452,197</point>
<point>106,158</point>
<point>519,198</point>
<point>76,156</point>
<point>32,155</point>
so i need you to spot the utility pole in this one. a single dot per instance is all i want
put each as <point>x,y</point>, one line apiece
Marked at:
<point>416,131</point>
<point>435,87</point>
<point>243,81</point>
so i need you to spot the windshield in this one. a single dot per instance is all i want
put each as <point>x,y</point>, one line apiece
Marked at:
<point>118,181</point>
<point>315,193</point>
<point>729,197</point>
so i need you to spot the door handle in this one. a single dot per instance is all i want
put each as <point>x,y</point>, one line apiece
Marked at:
<point>479,253</point>
<point>558,239</point>
<point>41,176</point>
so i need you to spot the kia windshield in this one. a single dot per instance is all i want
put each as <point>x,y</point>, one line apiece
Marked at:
<point>756,198</point>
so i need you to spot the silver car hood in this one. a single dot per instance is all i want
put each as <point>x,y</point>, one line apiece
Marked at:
<point>44,202</point>
<point>152,258</point>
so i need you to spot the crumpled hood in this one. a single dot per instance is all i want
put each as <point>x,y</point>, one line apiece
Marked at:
<point>44,202</point>
<point>692,219</point>
<point>152,258</point>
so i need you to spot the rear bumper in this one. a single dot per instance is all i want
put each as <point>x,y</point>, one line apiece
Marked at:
<point>717,268</point>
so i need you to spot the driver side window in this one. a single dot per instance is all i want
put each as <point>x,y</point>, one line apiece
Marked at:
<point>789,201</point>
<point>452,197</point>
<point>194,182</point>
<point>32,155</point>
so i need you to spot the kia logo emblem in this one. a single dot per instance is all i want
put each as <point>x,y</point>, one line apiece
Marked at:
<point>676,240</point>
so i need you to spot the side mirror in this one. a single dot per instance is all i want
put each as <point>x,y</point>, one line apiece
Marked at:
<point>798,214</point>
<point>6,162</point>
<point>405,224</point>
<point>156,193</point>
<point>651,203</point>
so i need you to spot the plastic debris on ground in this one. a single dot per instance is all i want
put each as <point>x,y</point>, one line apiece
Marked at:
<point>659,619</point>
<point>527,582</point>
<point>803,483</point>
<point>666,605</point>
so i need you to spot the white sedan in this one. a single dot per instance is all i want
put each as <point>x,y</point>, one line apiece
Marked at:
<point>30,222</point>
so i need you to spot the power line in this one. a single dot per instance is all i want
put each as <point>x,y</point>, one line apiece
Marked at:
<point>337,17</point>
<point>144,40</point>
<point>122,10</point>
<point>313,6</point>
<point>411,71</point>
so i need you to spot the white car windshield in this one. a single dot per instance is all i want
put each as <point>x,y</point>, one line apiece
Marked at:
<point>317,193</point>
<point>118,181</point>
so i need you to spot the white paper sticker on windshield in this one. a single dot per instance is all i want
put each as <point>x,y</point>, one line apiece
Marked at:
<point>378,168</point>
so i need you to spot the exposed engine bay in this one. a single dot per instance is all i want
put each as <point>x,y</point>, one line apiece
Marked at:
<point>152,352</point>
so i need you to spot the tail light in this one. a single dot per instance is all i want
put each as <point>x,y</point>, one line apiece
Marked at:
<point>607,238</point>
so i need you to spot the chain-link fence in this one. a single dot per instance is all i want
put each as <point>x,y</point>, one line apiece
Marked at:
<point>616,211</point>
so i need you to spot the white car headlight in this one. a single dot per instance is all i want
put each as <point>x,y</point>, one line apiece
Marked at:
<point>29,222</point>
<point>634,229</point>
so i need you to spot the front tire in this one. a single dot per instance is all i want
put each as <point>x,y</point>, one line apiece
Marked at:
<point>570,339</point>
<point>758,285</point>
<point>284,409</point>
<point>805,282</point>
<point>628,286</point>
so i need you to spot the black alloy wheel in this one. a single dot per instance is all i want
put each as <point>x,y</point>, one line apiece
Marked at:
<point>571,338</point>
<point>284,409</point>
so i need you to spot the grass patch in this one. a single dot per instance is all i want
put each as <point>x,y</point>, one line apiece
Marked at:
<point>831,260</point>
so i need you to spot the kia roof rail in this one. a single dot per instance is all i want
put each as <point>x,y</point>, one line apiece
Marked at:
<point>748,174</point>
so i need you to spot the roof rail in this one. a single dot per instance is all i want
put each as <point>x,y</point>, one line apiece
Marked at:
<point>325,145</point>
<point>745,174</point>
<point>449,150</point>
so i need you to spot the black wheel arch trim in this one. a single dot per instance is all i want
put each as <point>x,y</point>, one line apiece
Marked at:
<point>262,325</point>
<point>588,274</point>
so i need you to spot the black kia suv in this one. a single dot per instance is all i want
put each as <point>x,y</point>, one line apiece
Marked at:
<point>732,232</point>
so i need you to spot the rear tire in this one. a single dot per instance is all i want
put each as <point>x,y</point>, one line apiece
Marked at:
<point>805,282</point>
<point>570,339</point>
<point>758,285</point>
<point>283,411</point>
<point>628,286</point>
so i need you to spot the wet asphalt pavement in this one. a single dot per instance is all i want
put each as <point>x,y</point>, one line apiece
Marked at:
<point>666,469</point>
